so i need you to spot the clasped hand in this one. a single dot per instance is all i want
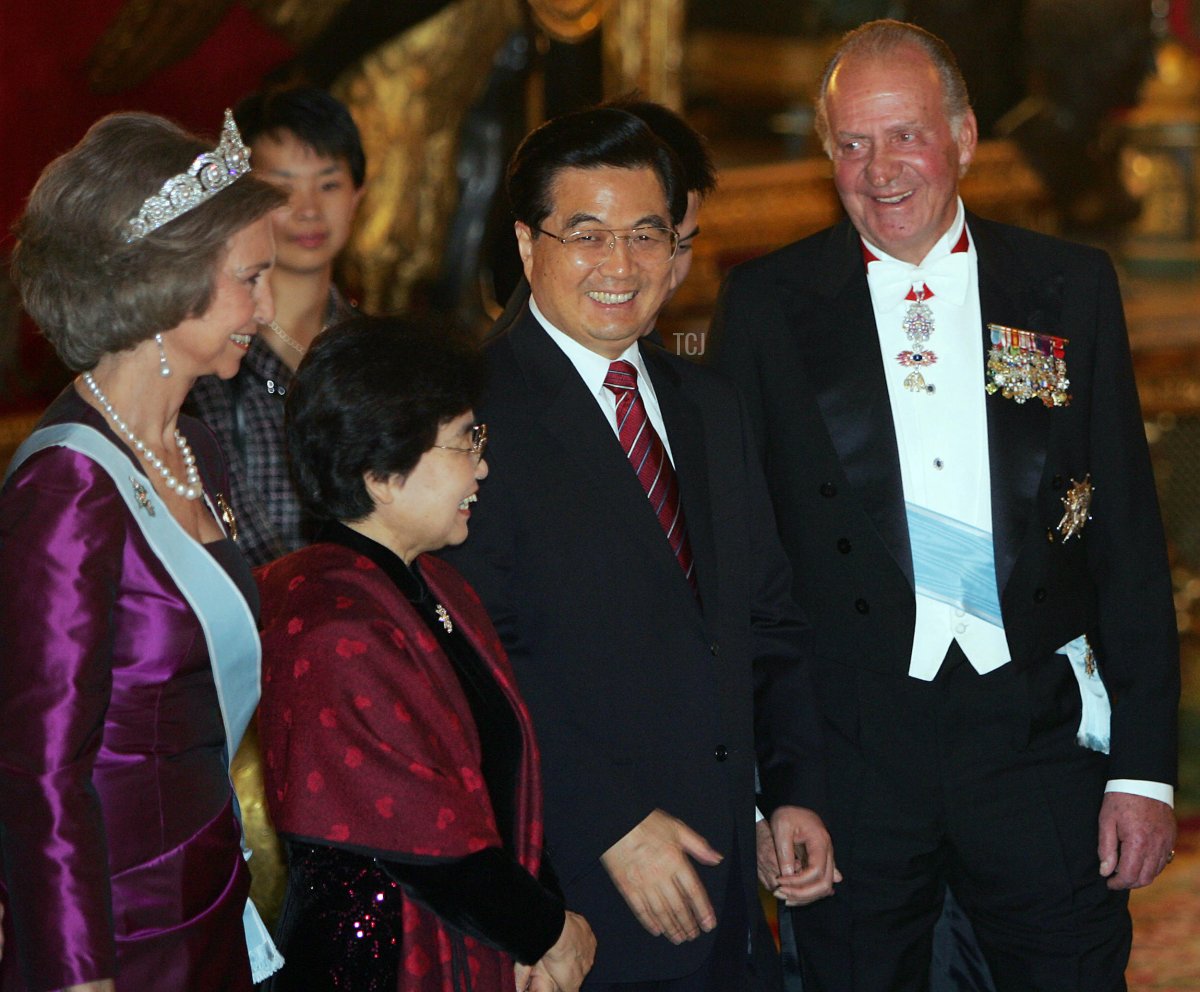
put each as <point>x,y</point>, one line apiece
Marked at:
<point>564,967</point>
<point>795,856</point>
<point>652,870</point>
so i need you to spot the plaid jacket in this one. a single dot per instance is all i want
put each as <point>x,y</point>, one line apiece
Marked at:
<point>246,414</point>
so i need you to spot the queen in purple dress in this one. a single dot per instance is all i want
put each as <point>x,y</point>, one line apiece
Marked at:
<point>129,664</point>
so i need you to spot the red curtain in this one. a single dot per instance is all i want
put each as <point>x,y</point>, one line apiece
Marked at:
<point>46,106</point>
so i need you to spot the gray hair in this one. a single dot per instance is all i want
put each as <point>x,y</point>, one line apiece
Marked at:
<point>877,39</point>
<point>89,291</point>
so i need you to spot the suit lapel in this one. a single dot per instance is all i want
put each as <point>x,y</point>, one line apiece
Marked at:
<point>1017,433</point>
<point>845,369</point>
<point>608,492</point>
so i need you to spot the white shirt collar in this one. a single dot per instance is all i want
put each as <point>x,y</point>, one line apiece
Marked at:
<point>943,245</point>
<point>592,368</point>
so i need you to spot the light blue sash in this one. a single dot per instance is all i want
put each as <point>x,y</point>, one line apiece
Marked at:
<point>229,628</point>
<point>1095,718</point>
<point>954,563</point>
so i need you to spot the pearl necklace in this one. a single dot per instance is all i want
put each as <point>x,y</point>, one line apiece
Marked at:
<point>191,489</point>
<point>287,339</point>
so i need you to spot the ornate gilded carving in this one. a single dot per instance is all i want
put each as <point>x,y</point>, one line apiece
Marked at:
<point>408,99</point>
<point>569,20</point>
<point>148,35</point>
<point>299,21</point>
<point>643,49</point>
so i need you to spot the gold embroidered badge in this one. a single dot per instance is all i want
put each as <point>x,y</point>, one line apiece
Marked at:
<point>1077,505</point>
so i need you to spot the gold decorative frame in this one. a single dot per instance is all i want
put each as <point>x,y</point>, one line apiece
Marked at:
<point>643,50</point>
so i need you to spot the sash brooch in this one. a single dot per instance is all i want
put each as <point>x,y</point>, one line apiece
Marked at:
<point>227,516</point>
<point>1022,365</point>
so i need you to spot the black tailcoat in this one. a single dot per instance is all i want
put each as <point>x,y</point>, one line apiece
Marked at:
<point>796,330</point>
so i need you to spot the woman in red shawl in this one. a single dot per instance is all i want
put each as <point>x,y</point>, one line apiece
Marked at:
<point>399,762</point>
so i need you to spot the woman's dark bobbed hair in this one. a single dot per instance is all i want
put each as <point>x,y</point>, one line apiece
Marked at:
<point>370,397</point>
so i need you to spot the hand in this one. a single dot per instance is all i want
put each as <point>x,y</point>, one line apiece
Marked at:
<point>803,856</point>
<point>540,980</point>
<point>1136,838</point>
<point>651,870</point>
<point>102,985</point>
<point>564,967</point>
<point>765,856</point>
<point>533,978</point>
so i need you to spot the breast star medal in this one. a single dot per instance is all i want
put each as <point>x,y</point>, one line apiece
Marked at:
<point>227,516</point>
<point>1023,365</point>
<point>1077,504</point>
<point>443,617</point>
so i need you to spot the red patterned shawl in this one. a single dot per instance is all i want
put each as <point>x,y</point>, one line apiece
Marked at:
<point>368,741</point>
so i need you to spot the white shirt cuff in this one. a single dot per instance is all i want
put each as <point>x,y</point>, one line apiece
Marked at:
<point>1137,787</point>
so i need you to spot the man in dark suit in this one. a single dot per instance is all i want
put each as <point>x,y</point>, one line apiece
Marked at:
<point>645,606</point>
<point>950,429</point>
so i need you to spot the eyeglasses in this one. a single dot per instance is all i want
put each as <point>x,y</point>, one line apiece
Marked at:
<point>479,440</point>
<point>592,245</point>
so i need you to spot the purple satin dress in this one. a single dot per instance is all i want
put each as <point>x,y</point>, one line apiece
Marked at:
<point>121,854</point>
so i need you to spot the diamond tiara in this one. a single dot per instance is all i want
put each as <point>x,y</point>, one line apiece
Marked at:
<point>210,173</point>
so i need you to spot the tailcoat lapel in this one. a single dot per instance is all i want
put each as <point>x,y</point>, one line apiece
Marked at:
<point>608,491</point>
<point>845,371</point>
<point>1017,433</point>
<point>845,368</point>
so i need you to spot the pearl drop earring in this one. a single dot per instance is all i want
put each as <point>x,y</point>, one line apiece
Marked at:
<point>163,368</point>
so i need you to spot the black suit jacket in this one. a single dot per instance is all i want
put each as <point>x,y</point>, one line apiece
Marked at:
<point>796,331</point>
<point>641,697</point>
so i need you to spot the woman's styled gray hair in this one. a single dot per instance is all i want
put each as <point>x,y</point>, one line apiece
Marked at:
<point>91,291</point>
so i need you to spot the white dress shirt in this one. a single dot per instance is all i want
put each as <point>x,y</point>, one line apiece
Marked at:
<point>942,438</point>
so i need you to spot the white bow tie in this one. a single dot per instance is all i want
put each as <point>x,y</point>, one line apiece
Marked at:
<point>891,280</point>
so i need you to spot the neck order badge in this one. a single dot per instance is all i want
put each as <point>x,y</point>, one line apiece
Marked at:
<point>917,324</point>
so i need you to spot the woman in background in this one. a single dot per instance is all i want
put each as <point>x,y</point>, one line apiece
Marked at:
<point>128,656</point>
<point>400,765</point>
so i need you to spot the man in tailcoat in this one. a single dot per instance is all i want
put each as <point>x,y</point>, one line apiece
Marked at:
<point>948,421</point>
<point>624,547</point>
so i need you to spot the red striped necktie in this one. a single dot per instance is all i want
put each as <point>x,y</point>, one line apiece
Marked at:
<point>646,454</point>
